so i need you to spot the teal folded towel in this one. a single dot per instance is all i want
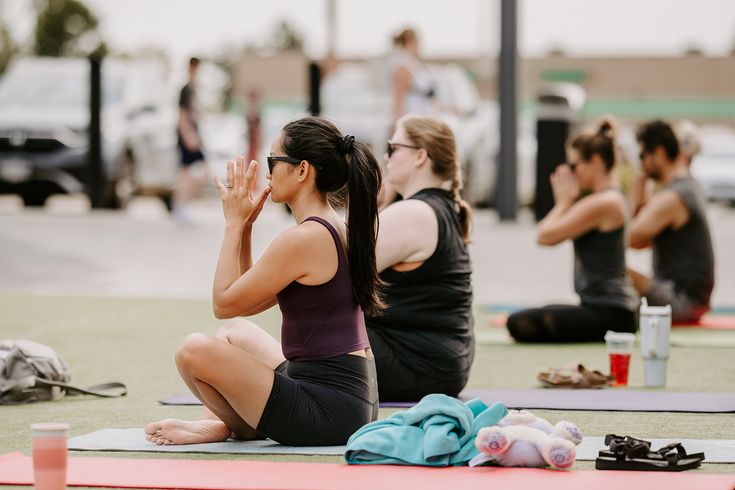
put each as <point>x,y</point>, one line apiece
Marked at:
<point>438,431</point>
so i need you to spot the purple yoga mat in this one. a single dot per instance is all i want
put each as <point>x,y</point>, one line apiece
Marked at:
<point>613,399</point>
<point>189,399</point>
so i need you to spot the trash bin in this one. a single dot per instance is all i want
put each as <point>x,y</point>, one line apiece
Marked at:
<point>558,107</point>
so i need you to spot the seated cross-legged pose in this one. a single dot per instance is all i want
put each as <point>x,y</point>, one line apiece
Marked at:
<point>595,223</point>
<point>319,385</point>
<point>673,221</point>
<point>423,342</point>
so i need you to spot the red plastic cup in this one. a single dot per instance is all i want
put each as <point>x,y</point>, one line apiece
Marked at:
<point>49,455</point>
<point>619,347</point>
<point>619,365</point>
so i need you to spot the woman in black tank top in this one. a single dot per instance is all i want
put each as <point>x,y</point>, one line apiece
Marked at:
<point>596,223</point>
<point>320,385</point>
<point>423,341</point>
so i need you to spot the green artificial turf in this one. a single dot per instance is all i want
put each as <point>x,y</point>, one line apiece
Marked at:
<point>134,340</point>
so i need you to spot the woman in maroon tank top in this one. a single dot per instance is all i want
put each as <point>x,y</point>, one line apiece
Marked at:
<point>320,386</point>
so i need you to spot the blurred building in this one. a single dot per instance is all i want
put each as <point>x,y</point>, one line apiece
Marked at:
<point>694,86</point>
<point>279,77</point>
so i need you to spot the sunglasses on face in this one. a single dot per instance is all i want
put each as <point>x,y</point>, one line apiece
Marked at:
<point>576,163</point>
<point>392,147</point>
<point>272,160</point>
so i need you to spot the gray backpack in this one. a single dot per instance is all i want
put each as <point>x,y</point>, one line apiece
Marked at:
<point>31,372</point>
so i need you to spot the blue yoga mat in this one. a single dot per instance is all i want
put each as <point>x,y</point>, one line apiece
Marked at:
<point>608,399</point>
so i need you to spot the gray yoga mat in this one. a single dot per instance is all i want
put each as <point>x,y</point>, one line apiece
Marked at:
<point>613,399</point>
<point>134,440</point>
<point>180,399</point>
<point>698,337</point>
<point>189,399</point>
<point>715,450</point>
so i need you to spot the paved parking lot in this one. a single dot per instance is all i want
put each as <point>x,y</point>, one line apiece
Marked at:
<point>141,252</point>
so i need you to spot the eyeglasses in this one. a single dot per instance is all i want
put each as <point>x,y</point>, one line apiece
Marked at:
<point>272,160</point>
<point>392,147</point>
<point>576,163</point>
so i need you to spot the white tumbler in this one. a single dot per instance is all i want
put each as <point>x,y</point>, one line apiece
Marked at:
<point>655,328</point>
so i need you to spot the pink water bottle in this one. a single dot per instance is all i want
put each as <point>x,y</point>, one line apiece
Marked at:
<point>49,455</point>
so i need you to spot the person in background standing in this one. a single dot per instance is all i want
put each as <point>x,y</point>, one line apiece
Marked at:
<point>252,118</point>
<point>412,90</point>
<point>190,147</point>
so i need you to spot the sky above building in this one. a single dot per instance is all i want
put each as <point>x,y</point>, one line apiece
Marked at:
<point>446,27</point>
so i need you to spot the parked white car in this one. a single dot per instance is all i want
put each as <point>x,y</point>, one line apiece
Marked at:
<point>714,165</point>
<point>44,119</point>
<point>357,98</point>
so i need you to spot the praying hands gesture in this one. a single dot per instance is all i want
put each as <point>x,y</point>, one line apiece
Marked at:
<point>564,186</point>
<point>239,205</point>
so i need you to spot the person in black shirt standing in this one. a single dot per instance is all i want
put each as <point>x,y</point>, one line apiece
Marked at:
<point>423,342</point>
<point>190,145</point>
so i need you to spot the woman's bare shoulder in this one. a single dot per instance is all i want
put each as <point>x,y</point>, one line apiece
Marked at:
<point>409,226</point>
<point>609,199</point>
<point>610,205</point>
<point>408,210</point>
<point>307,235</point>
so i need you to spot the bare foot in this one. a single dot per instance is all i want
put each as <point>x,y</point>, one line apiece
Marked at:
<point>175,431</point>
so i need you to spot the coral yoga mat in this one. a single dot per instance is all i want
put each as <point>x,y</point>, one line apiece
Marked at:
<point>17,469</point>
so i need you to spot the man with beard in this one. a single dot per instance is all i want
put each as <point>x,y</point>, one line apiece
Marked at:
<point>673,221</point>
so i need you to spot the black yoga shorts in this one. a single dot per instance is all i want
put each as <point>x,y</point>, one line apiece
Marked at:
<point>320,402</point>
<point>399,381</point>
<point>189,157</point>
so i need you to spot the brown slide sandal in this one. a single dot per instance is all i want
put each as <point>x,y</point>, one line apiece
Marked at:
<point>573,377</point>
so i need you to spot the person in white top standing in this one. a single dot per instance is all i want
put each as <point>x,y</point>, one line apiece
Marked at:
<point>412,90</point>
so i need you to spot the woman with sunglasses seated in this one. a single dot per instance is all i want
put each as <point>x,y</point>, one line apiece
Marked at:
<point>318,385</point>
<point>423,342</point>
<point>595,221</point>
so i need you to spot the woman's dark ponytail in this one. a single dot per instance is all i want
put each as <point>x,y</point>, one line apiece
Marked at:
<point>363,184</point>
<point>345,167</point>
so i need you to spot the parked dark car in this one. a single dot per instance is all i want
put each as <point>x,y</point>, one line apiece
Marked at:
<point>44,119</point>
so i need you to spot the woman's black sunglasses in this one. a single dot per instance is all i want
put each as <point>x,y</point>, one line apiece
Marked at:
<point>392,147</point>
<point>272,160</point>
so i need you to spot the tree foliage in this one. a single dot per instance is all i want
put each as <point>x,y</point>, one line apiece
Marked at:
<point>66,28</point>
<point>286,38</point>
<point>7,47</point>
